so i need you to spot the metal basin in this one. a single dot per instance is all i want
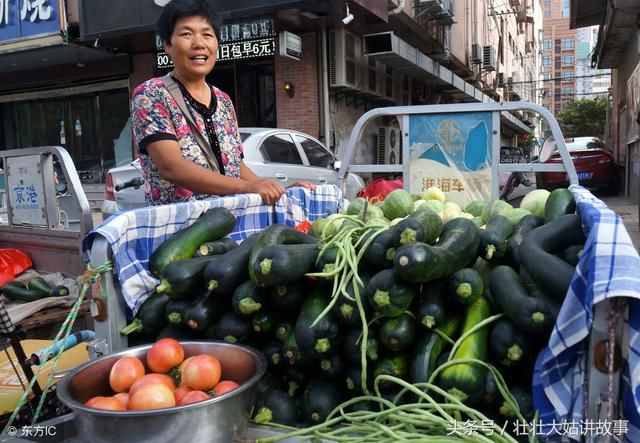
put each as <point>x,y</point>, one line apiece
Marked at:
<point>219,419</point>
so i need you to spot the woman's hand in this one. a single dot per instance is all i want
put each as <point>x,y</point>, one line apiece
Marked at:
<point>304,184</point>
<point>269,190</point>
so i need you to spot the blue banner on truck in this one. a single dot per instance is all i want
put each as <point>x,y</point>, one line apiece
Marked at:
<point>22,19</point>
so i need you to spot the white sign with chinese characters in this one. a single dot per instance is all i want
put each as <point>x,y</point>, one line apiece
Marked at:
<point>290,45</point>
<point>26,190</point>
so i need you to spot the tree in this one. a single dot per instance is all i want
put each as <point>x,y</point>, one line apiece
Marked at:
<point>583,118</point>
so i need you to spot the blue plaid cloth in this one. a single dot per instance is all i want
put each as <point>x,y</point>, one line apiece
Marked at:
<point>609,267</point>
<point>134,235</point>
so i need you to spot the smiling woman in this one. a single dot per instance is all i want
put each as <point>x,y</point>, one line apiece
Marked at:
<point>185,129</point>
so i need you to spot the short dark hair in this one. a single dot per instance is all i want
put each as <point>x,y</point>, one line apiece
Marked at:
<point>177,9</point>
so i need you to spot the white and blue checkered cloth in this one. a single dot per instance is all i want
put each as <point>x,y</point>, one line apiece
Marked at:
<point>133,235</point>
<point>609,267</point>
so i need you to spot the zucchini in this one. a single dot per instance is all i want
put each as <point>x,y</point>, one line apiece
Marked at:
<point>531,314</point>
<point>526,224</point>
<point>276,234</point>
<point>560,202</point>
<point>429,346</point>
<point>572,254</point>
<point>327,261</point>
<point>265,320</point>
<point>524,400</point>
<point>217,247</point>
<point>552,274</point>
<point>277,265</point>
<point>279,408</point>
<point>226,272</point>
<point>320,397</point>
<point>150,318</point>
<point>332,367</point>
<point>380,252</point>
<point>353,380</point>
<point>423,225</point>
<point>493,239</point>
<point>456,248</point>
<point>59,291</point>
<point>295,380</point>
<point>395,365</point>
<point>388,295</point>
<point>466,380</point>
<point>18,292</point>
<point>232,328</point>
<point>430,311</point>
<point>267,383</point>
<point>346,310</point>
<point>535,292</point>
<point>184,278</point>
<point>287,298</point>
<point>508,344</point>
<point>398,333</point>
<point>38,283</point>
<point>351,345</point>
<point>465,286</point>
<point>283,330</point>
<point>273,352</point>
<point>175,310</point>
<point>247,299</point>
<point>324,337</point>
<point>212,225</point>
<point>178,333</point>
<point>204,311</point>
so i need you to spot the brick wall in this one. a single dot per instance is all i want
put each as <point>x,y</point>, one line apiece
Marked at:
<point>300,112</point>
<point>142,69</point>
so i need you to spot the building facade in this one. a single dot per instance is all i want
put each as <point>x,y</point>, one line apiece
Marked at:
<point>70,84</point>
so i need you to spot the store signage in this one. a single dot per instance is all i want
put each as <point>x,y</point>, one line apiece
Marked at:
<point>290,45</point>
<point>26,189</point>
<point>22,19</point>
<point>243,40</point>
<point>453,152</point>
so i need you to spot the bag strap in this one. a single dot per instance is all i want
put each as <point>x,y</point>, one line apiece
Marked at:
<point>205,147</point>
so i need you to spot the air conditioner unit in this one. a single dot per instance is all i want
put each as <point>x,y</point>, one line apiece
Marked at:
<point>508,86</point>
<point>489,58</point>
<point>434,6</point>
<point>389,145</point>
<point>476,53</point>
<point>445,17</point>
<point>345,55</point>
<point>373,81</point>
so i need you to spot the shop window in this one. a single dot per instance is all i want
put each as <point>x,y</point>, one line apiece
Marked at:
<point>316,153</point>
<point>281,149</point>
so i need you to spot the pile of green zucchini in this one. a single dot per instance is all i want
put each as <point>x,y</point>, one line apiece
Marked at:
<point>409,288</point>
<point>35,288</point>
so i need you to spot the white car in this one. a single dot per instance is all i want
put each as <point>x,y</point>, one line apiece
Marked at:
<point>281,154</point>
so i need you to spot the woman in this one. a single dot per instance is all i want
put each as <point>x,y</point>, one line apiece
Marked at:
<point>175,168</point>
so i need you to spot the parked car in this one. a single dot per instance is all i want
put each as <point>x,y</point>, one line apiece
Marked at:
<point>281,154</point>
<point>594,164</point>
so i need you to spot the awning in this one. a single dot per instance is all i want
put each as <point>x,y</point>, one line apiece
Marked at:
<point>618,30</point>
<point>586,13</point>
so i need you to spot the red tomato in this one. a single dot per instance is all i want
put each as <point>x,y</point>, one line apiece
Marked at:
<point>202,372</point>
<point>193,397</point>
<point>180,392</point>
<point>152,379</point>
<point>107,403</point>
<point>164,355</point>
<point>124,372</point>
<point>123,397</point>
<point>224,386</point>
<point>153,396</point>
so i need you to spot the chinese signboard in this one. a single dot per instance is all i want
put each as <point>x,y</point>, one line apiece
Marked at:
<point>20,19</point>
<point>452,152</point>
<point>26,191</point>
<point>248,39</point>
<point>290,45</point>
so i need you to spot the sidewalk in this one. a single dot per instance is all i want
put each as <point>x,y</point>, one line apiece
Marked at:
<point>627,209</point>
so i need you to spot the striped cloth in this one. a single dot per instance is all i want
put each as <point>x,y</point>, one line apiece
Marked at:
<point>609,267</point>
<point>133,235</point>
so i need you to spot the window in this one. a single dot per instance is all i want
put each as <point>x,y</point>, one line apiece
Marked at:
<point>547,3</point>
<point>546,61</point>
<point>567,60</point>
<point>316,153</point>
<point>546,76</point>
<point>547,44</point>
<point>547,13</point>
<point>567,76</point>
<point>567,92</point>
<point>565,8</point>
<point>281,149</point>
<point>567,43</point>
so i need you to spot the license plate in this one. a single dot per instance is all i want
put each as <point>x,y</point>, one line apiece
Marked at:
<point>584,175</point>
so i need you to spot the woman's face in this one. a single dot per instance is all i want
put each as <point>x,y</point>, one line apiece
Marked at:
<point>193,46</point>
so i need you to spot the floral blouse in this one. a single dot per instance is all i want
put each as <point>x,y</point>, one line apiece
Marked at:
<point>156,116</point>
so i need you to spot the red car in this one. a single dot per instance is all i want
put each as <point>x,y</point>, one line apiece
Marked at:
<point>593,162</point>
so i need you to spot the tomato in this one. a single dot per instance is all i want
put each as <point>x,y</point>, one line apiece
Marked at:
<point>106,403</point>
<point>177,373</point>
<point>152,396</point>
<point>124,372</point>
<point>193,397</point>
<point>123,397</point>
<point>180,392</point>
<point>224,386</point>
<point>164,355</point>
<point>152,379</point>
<point>202,372</point>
